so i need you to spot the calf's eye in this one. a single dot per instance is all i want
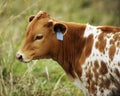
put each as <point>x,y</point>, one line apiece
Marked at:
<point>38,37</point>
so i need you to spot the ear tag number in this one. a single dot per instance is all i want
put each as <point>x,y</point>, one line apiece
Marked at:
<point>59,36</point>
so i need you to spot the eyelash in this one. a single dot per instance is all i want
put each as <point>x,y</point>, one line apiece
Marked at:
<point>38,37</point>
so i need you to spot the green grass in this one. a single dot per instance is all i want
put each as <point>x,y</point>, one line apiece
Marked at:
<point>40,78</point>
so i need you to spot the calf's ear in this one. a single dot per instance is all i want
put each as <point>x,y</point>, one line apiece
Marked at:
<point>31,18</point>
<point>59,27</point>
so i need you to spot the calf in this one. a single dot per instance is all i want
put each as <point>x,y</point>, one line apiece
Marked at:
<point>90,55</point>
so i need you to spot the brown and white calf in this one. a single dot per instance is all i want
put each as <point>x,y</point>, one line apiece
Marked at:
<point>90,55</point>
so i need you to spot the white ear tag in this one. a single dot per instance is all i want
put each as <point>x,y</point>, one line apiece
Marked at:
<point>59,36</point>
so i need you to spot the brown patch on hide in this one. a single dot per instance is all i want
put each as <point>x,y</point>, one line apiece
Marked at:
<point>112,51</point>
<point>101,43</point>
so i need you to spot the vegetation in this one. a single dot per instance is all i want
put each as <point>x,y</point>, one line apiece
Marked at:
<point>40,78</point>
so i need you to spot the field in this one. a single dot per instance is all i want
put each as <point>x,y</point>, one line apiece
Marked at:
<point>43,77</point>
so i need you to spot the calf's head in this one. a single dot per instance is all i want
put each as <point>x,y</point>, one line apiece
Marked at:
<point>41,40</point>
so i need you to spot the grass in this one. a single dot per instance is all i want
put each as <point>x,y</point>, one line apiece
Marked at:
<point>40,78</point>
<point>34,79</point>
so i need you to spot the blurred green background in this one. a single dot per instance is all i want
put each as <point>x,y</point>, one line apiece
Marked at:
<point>43,77</point>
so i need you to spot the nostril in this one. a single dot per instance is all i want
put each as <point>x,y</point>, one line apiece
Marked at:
<point>19,56</point>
